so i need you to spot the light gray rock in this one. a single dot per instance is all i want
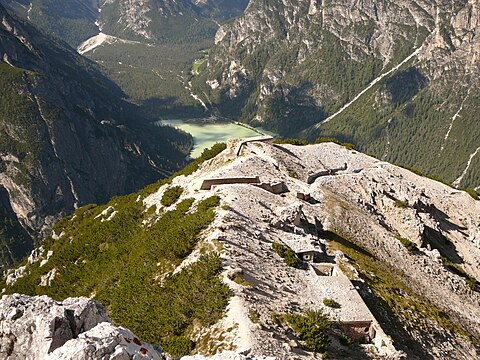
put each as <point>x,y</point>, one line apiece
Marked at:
<point>39,328</point>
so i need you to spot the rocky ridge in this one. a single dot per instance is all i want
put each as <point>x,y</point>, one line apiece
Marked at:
<point>327,189</point>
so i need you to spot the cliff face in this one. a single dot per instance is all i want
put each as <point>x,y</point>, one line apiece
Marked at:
<point>299,227</point>
<point>67,136</point>
<point>293,67</point>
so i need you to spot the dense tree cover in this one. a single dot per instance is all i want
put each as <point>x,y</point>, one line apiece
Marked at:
<point>154,76</point>
<point>68,20</point>
<point>408,124</point>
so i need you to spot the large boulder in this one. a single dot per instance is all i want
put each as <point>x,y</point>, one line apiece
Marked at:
<point>38,328</point>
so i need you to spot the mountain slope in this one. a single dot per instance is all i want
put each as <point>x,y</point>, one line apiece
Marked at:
<point>75,21</point>
<point>67,137</point>
<point>290,67</point>
<point>408,245</point>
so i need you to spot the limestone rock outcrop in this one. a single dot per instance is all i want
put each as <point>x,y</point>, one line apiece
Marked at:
<point>39,328</point>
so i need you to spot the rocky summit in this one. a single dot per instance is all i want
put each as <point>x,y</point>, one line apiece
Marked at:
<point>383,262</point>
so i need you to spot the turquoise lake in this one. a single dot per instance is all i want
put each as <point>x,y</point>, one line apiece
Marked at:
<point>205,134</point>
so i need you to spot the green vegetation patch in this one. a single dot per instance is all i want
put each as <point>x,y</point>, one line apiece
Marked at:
<point>473,193</point>
<point>171,195</point>
<point>239,280</point>
<point>125,266</point>
<point>401,204</point>
<point>456,269</point>
<point>311,327</point>
<point>254,316</point>
<point>320,140</point>
<point>207,154</point>
<point>331,303</point>
<point>410,246</point>
<point>291,259</point>
<point>292,141</point>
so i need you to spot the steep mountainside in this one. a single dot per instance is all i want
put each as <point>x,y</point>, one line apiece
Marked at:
<point>66,137</point>
<point>153,20</point>
<point>166,20</point>
<point>400,79</point>
<point>148,47</point>
<point>278,251</point>
<point>70,20</point>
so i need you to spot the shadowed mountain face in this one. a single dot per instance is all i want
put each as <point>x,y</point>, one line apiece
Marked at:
<point>66,136</point>
<point>400,77</point>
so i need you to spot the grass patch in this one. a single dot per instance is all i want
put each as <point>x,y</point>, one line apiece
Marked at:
<point>254,316</point>
<point>291,259</point>
<point>410,246</point>
<point>472,192</point>
<point>291,141</point>
<point>303,142</point>
<point>239,280</point>
<point>331,303</point>
<point>456,269</point>
<point>401,204</point>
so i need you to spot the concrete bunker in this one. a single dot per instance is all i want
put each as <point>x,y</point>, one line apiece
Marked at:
<point>208,183</point>
<point>312,177</point>
<point>276,188</point>
<point>309,255</point>
<point>359,331</point>
<point>262,138</point>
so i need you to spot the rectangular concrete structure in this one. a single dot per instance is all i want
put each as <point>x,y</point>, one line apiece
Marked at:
<point>208,183</point>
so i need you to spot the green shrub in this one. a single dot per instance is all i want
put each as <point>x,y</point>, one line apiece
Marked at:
<point>345,340</point>
<point>178,346</point>
<point>456,269</point>
<point>327,139</point>
<point>472,192</point>
<point>347,146</point>
<point>401,204</point>
<point>171,195</point>
<point>291,259</point>
<point>331,303</point>
<point>410,246</point>
<point>254,316</point>
<point>409,168</point>
<point>291,141</point>
<point>121,261</point>
<point>239,280</point>
<point>312,328</point>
